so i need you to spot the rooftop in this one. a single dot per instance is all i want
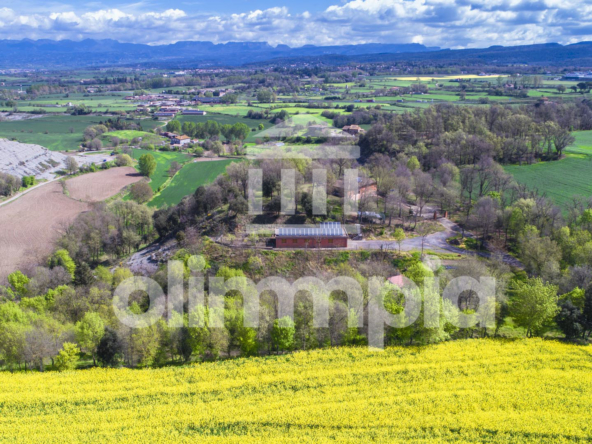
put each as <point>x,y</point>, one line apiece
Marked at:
<point>326,229</point>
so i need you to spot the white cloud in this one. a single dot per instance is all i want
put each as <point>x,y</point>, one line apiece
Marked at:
<point>445,23</point>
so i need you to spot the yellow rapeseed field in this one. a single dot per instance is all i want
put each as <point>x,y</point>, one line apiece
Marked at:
<point>464,391</point>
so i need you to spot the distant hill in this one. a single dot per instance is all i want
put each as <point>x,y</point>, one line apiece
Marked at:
<point>88,53</point>
<point>578,54</point>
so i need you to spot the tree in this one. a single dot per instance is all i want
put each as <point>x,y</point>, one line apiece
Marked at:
<point>569,320</point>
<point>174,168</point>
<point>110,348</point>
<point>266,96</point>
<point>587,312</point>
<point>38,345</point>
<point>533,305</point>
<point>413,163</point>
<point>141,192</point>
<point>173,126</point>
<point>96,144</point>
<point>399,236</point>
<point>83,275</point>
<point>61,258</point>
<point>282,333</point>
<point>561,140</point>
<point>424,230</point>
<point>67,358</point>
<point>89,332</point>
<point>238,205</point>
<point>18,284</point>
<point>71,165</point>
<point>123,160</point>
<point>147,165</point>
<point>240,130</point>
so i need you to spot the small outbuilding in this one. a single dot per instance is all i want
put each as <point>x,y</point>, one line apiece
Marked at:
<point>327,235</point>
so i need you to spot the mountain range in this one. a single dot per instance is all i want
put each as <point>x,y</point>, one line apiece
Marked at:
<point>88,53</point>
<point>193,54</point>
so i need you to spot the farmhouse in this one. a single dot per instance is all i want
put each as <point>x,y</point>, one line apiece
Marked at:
<point>165,114</point>
<point>354,130</point>
<point>180,140</point>
<point>328,235</point>
<point>194,112</point>
<point>366,187</point>
<point>207,99</point>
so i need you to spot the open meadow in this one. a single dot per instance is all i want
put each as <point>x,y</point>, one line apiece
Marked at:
<point>563,179</point>
<point>523,391</point>
<point>186,181</point>
<point>164,161</point>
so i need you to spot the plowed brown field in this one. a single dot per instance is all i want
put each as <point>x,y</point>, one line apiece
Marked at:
<point>31,224</point>
<point>100,186</point>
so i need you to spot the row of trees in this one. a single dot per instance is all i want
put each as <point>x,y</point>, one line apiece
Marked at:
<point>208,129</point>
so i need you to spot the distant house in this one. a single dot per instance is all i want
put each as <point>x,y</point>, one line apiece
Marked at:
<point>327,235</point>
<point>194,112</point>
<point>207,99</point>
<point>366,187</point>
<point>165,114</point>
<point>354,130</point>
<point>180,140</point>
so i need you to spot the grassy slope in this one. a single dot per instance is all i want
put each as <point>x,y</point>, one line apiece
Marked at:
<point>188,179</point>
<point>563,179</point>
<point>163,163</point>
<point>464,391</point>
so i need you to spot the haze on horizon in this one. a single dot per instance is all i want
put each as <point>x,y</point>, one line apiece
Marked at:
<point>443,23</point>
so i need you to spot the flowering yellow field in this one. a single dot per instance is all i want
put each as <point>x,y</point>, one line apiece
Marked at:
<point>464,391</point>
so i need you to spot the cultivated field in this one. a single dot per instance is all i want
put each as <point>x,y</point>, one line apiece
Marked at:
<point>563,179</point>
<point>100,186</point>
<point>57,132</point>
<point>188,179</point>
<point>465,391</point>
<point>32,223</point>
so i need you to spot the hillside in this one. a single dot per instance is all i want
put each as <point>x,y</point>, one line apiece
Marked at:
<point>475,390</point>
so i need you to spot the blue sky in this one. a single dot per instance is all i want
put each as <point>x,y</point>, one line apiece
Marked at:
<point>444,23</point>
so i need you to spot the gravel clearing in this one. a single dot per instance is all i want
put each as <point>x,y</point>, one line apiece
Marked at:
<point>23,159</point>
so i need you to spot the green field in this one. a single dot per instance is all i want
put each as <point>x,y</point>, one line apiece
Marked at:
<point>132,134</point>
<point>563,179</point>
<point>163,163</point>
<point>583,143</point>
<point>55,132</point>
<point>558,180</point>
<point>188,179</point>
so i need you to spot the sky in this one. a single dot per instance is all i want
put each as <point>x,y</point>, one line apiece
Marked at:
<point>443,23</point>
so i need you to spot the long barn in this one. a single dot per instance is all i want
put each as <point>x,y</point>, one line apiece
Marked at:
<point>328,235</point>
